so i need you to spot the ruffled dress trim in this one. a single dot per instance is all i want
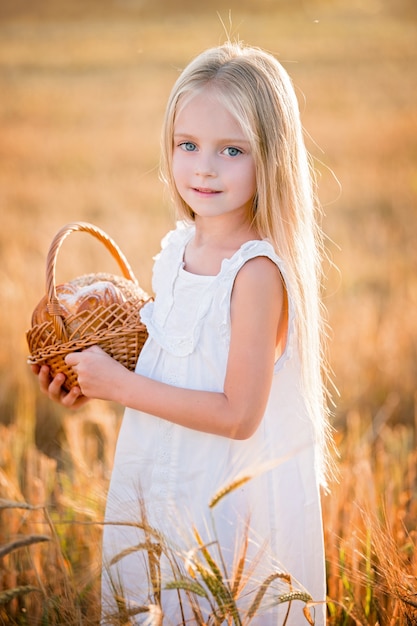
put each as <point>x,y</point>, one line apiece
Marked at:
<point>169,270</point>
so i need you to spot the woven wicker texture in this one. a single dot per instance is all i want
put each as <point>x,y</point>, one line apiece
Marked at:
<point>108,315</point>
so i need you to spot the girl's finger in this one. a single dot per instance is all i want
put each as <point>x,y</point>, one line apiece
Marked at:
<point>44,378</point>
<point>72,358</point>
<point>55,391</point>
<point>72,398</point>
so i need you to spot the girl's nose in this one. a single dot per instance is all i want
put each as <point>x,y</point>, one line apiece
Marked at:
<point>204,166</point>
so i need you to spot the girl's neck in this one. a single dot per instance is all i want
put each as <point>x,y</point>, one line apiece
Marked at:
<point>223,232</point>
<point>215,240</point>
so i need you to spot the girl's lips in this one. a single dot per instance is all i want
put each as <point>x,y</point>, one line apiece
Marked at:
<point>205,190</point>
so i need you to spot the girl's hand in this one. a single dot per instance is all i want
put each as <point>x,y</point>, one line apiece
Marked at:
<point>99,375</point>
<point>52,387</point>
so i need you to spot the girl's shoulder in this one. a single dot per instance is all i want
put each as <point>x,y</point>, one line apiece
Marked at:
<point>251,250</point>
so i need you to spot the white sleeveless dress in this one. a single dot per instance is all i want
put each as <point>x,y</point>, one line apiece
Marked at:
<point>176,471</point>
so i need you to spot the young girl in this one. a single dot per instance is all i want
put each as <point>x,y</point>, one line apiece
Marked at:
<point>229,381</point>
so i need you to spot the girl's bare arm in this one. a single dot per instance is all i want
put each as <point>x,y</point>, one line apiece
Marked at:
<point>257,318</point>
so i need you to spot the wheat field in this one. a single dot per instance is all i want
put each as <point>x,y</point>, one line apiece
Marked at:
<point>83,88</point>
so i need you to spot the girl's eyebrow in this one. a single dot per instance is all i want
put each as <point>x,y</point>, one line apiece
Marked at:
<point>184,135</point>
<point>222,140</point>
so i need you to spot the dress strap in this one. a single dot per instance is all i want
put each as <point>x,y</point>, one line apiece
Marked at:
<point>170,258</point>
<point>229,271</point>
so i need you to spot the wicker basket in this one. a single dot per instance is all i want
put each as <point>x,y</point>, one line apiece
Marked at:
<point>116,328</point>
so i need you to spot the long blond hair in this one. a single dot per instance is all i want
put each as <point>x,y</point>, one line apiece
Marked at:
<point>259,93</point>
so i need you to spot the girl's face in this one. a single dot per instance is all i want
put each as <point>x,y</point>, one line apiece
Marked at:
<point>213,167</point>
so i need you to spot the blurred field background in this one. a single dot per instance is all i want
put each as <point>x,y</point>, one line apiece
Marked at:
<point>83,86</point>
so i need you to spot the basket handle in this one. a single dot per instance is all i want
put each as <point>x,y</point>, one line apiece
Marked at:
<point>54,307</point>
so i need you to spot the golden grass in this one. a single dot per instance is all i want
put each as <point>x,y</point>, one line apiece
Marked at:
<point>82,99</point>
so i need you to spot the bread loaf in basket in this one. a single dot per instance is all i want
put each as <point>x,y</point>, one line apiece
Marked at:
<point>94,309</point>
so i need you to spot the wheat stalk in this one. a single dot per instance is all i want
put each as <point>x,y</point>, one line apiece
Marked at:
<point>21,543</point>
<point>149,547</point>
<point>188,585</point>
<point>156,534</point>
<point>11,504</point>
<point>249,474</point>
<point>294,595</point>
<point>263,589</point>
<point>304,596</point>
<point>239,570</point>
<point>234,484</point>
<point>216,583</point>
<point>124,613</point>
<point>9,594</point>
<point>307,614</point>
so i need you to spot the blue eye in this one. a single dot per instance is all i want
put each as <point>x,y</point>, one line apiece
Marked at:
<point>188,146</point>
<point>232,152</point>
